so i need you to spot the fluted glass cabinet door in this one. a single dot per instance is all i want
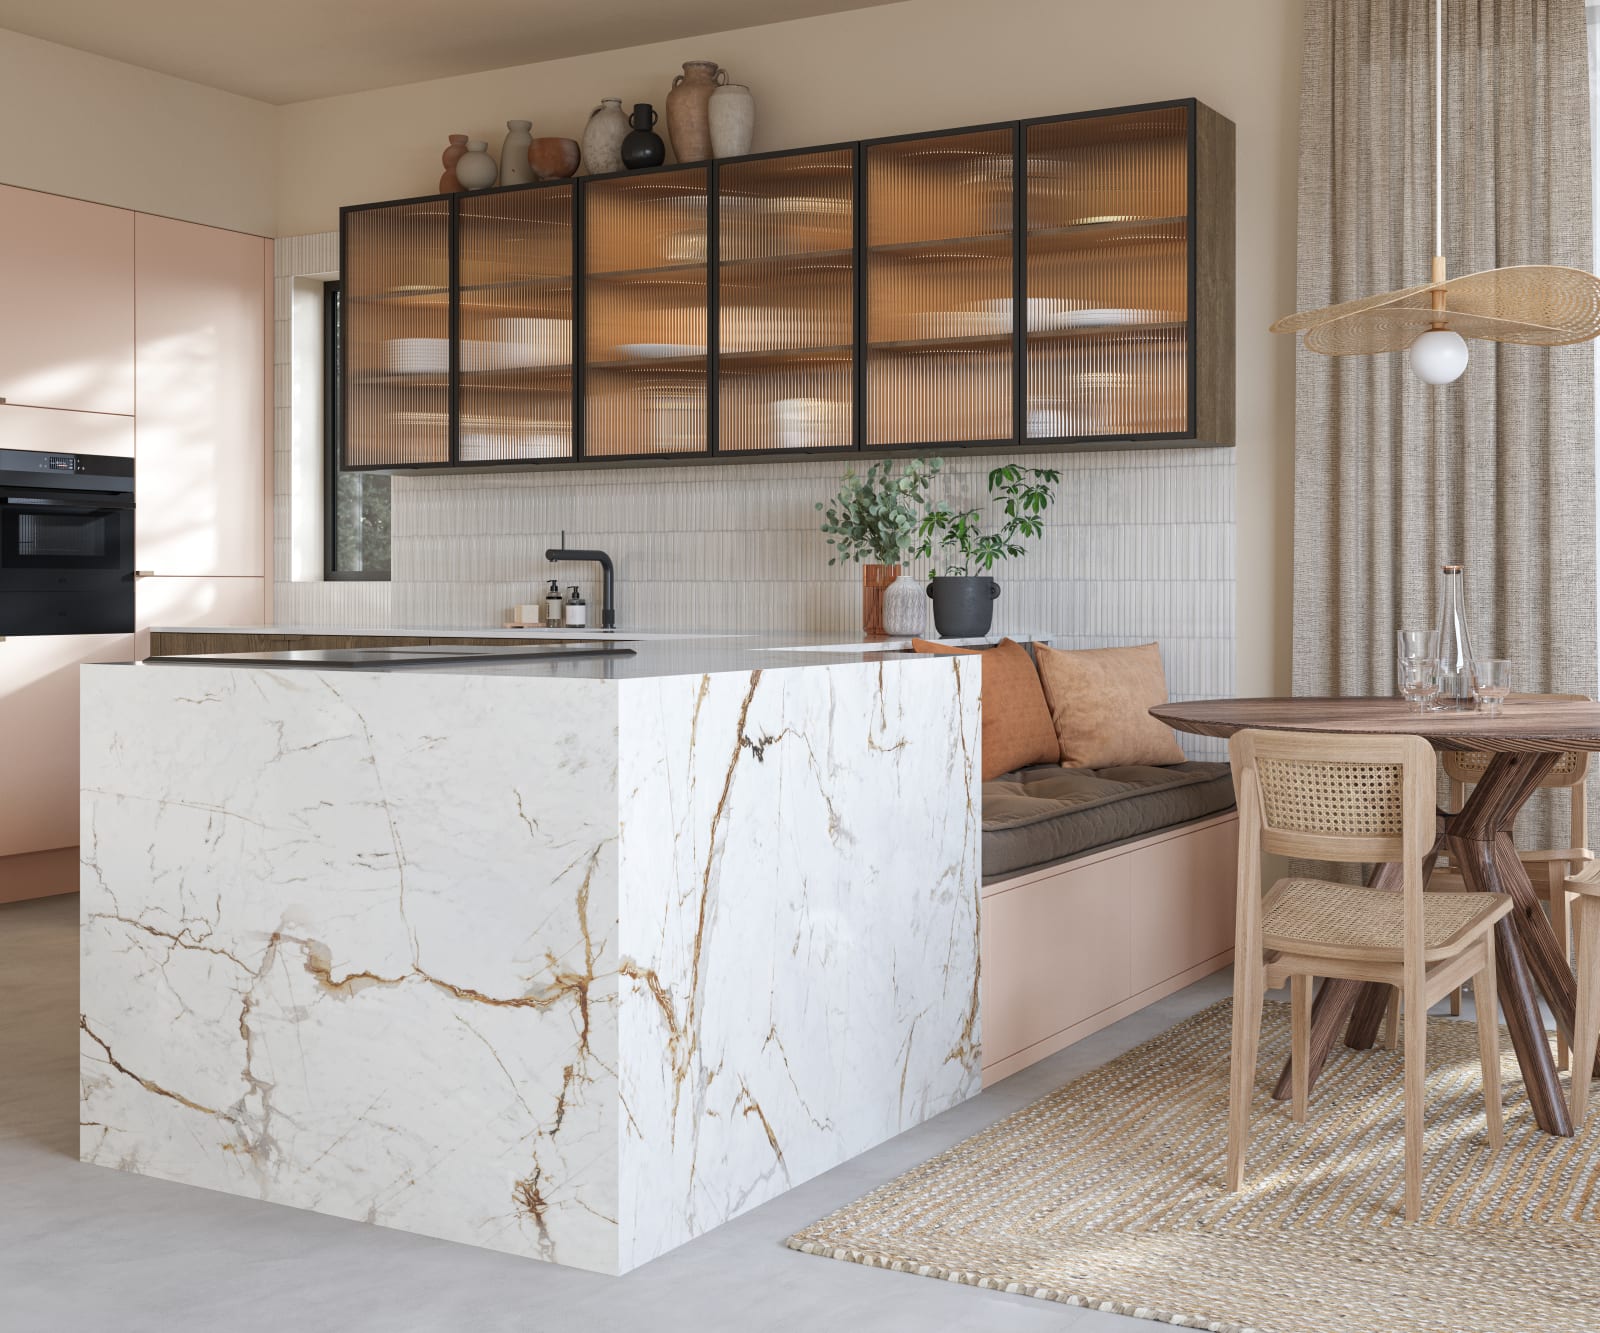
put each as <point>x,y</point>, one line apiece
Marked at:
<point>786,302</point>
<point>646,313</point>
<point>1107,208</point>
<point>940,286</point>
<point>515,325</point>
<point>395,299</point>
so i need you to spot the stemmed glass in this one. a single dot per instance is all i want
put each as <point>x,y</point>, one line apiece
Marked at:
<point>1417,667</point>
<point>1491,682</point>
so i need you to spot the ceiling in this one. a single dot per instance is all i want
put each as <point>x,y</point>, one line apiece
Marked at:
<point>292,50</point>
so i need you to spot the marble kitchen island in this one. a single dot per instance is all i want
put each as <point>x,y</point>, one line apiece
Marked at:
<point>572,960</point>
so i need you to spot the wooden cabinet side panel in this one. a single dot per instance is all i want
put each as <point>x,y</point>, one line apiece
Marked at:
<point>1214,260</point>
<point>202,354</point>
<point>67,274</point>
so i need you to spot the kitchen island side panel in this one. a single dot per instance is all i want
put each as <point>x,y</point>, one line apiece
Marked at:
<point>799,887</point>
<point>349,945</point>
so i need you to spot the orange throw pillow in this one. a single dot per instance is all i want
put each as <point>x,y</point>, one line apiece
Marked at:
<point>1016,721</point>
<point>1099,700</point>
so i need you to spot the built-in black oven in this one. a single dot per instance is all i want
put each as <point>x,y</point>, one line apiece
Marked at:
<point>66,544</point>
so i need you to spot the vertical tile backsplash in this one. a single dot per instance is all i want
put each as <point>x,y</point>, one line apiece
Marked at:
<point>1138,546</point>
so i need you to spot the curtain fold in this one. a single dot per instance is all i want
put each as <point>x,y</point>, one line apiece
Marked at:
<point>1496,472</point>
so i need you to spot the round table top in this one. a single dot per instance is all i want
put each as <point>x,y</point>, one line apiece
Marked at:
<point>1526,724</point>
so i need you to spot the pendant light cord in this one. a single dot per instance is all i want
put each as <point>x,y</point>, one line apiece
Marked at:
<point>1438,127</point>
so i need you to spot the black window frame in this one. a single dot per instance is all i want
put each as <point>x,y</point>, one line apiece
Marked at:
<point>332,439</point>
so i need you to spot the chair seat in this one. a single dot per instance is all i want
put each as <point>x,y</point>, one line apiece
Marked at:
<point>1316,916</point>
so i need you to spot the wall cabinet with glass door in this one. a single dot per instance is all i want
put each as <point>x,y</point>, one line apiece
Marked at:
<point>1065,281</point>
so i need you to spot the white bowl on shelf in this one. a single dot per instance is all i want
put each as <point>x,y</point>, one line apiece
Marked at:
<point>417,356</point>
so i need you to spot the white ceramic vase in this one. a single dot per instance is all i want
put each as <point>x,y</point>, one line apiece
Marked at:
<point>905,608</point>
<point>476,169</point>
<point>514,168</point>
<point>732,113</point>
<point>603,136</point>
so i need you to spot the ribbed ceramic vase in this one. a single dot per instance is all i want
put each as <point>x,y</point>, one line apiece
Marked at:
<point>603,136</point>
<point>448,184</point>
<point>514,168</point>
<point>905,608</point>
<point>732,113</point>
<point>476,169</point>
<point>688,109</point>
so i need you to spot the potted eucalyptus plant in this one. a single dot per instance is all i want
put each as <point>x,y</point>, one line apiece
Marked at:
<point>878,521</point>
<point>963,600</point>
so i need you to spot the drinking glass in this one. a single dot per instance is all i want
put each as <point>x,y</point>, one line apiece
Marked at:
<point>1417,667</point>
<point>1491,682</point>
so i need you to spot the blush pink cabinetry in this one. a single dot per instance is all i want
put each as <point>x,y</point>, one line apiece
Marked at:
<point>1070,949</point>
<point>66,280</point>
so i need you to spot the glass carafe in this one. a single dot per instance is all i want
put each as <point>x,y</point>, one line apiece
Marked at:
<point>1455,644</point>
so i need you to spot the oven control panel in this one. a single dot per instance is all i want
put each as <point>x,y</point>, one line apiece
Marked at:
<point>62,463</point>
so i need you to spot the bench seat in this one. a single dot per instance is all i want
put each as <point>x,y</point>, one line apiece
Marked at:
<point>1038,816</point>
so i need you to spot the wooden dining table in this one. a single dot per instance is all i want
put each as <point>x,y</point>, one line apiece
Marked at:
<point>1526,740</point>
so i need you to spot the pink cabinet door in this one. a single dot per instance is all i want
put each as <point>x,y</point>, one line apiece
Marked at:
<point>66,322</point>
<point>204,306</point>
<point>44,430</point>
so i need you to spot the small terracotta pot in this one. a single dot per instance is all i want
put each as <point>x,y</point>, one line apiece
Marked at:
<point>553,159</point>
<point>875,580</point>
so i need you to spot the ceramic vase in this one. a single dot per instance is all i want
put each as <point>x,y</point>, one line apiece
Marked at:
<point>514,166</point>
<point>476,169</point>
<point>905,609</point>
<point>732,113</point>
<point>603,136</point>
<point>875,581</point>
<point>643,146</point>
<point>688,109</point>
<point>553,159</point>
<point>448,184</point>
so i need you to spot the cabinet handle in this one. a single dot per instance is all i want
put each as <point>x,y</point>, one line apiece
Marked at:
<point>144,573</point>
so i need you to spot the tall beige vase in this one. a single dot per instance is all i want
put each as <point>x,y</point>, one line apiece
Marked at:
<point>688,110</point>
<point>733,120</point>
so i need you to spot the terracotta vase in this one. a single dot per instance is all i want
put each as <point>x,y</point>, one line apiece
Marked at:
<point>553,159</point>
<point>875,579</point>
<point>516,165</point>
<point>475,169</point>
<point>732,112</point>
<point>448,184</point>
<point>603,136</point>
<point>688,110</point>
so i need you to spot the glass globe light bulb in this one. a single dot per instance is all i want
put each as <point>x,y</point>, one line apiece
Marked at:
<point>1439,356</point>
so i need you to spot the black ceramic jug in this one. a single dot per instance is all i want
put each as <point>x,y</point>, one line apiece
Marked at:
<point>643,146</point>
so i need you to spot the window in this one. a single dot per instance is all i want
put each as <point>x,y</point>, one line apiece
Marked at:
<point>356,545</point>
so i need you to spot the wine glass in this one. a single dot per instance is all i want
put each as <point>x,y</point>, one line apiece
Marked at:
<point>1417,667</point>
<point>1491,683</point>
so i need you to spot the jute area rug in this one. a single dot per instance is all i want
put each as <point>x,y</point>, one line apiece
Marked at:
<point>1108,1193</point>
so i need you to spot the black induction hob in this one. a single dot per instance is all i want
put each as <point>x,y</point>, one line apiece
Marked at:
<point>382,659</point>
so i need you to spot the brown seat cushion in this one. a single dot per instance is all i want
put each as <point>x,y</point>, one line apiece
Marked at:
<point>1100,701</point>
<point>1016,721</point>
<point>1041,815</point>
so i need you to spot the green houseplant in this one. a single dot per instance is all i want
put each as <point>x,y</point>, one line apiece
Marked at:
<point>963,600</point>
<point>877,520</point>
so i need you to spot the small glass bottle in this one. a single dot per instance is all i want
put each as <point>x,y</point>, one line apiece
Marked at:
<point>1455,644</point>
<point>577,610</point>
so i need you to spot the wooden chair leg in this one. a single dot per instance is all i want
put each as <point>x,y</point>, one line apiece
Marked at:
<point>1586,1029</point>
<point>1248,994</point>
<point>1300,1045</point>
<point>1560,922</point>
<point>1416,1076</point>
<point>1391,1020</point>
<point>1485,997</point>
<point>1455,1003</point>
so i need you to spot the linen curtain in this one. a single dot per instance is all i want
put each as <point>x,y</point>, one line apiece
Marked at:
<point>1394,477</point>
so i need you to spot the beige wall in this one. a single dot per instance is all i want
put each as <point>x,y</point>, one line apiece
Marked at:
<point>918,66</point>
<point>97,129</point>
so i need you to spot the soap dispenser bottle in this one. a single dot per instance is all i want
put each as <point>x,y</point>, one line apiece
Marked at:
<point>553,605</point>
<point>577,609</point>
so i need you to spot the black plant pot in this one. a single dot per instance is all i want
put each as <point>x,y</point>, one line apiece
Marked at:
<point>963,607</point>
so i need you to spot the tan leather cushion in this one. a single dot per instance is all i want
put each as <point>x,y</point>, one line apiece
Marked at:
<point>1099,700</point>
<point>1016,722</point>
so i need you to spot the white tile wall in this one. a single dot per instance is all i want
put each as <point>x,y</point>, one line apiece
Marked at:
<point>1138,546</point>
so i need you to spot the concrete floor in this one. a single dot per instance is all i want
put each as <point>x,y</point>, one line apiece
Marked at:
<point>84,1249</point>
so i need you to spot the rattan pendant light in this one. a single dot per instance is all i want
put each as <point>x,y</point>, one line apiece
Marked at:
<point>1545,305</point>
